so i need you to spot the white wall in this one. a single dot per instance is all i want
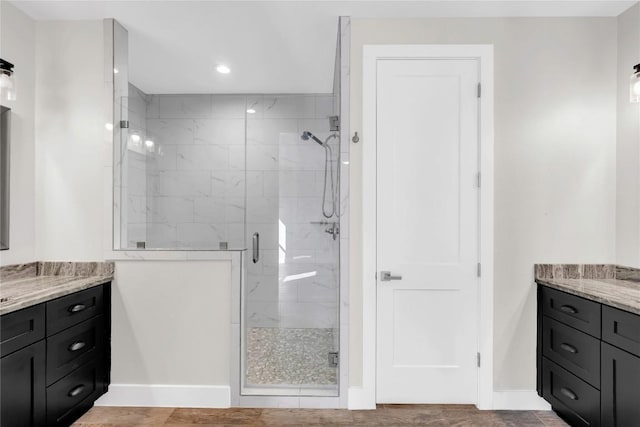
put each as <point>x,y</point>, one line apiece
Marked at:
<point>69,140</point>
<point>171,319</point>
<point>168,329</point>
<point>555,148</point>
<point>17,45</point>
<point>628,147</point>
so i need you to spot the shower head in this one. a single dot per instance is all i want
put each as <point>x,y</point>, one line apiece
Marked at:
<point>306,135</point>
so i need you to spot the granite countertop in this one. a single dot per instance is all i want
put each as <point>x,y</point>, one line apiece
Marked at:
<point>25,285</point>
<point>608,284</point>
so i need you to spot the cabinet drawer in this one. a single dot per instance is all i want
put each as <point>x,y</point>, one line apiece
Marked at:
<point>21,328</point>
<point>571,310</point>
<point>621,329</point>
<point>72,391</point>
<point>573,350</point>
<point>73,347</point>
<point>72,309</point>
<point>575,400</point>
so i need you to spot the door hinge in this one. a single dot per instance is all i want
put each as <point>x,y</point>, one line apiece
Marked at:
<point>124,124</point>
<point>479,270</point>
<point>334,359</point>
<point>479,180</point>
<point>479,90</point>
<point>478,359</point>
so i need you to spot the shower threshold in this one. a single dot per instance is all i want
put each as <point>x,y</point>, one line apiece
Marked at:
<point>284,390</point>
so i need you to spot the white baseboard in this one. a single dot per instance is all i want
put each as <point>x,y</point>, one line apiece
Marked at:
<point>357,399</point>
<point>178,396</point>
<point>522,400</point>
<point>195,396</point>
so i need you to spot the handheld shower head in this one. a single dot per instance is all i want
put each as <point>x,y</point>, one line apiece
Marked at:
<point>306,135</point>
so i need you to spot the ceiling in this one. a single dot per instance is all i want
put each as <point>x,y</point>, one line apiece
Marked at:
<point>270,46</point>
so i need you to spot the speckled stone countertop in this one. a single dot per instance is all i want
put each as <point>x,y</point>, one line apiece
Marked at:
<point>608,284</point>
<point>24,285</point>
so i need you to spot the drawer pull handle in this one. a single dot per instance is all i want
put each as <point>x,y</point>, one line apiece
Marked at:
<point>77,308</point>
<point>78,345</point>
<point>568,309</point>
<point>76,390</point>
<point>568,347</point>
<point>570,394</point>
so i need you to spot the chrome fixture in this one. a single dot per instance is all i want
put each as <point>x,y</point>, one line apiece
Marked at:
<point>334,123</point>
<point>7,84</point>
<point>334,359</point>
<point>306,135</point>
<point>334,230</point>
<point>256,247</point>
<point>328,169</point>
<point>385,276</point>
<point>634,85</point>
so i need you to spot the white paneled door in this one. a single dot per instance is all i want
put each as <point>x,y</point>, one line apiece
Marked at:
<point>427,230</point>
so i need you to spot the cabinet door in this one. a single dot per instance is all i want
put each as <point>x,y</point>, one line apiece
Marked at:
<point>22,396</point>
<point>620,382</point>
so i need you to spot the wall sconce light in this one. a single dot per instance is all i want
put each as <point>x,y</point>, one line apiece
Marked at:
<point>7,84</point>
<point>634,86</point>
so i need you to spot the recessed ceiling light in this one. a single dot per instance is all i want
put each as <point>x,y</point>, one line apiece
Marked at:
<point>223,69</point>
<point>148,143</point>
<point>251,111</point>
<point>135,138</point>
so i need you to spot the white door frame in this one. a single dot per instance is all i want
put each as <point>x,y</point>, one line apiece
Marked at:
<point>371,54</point>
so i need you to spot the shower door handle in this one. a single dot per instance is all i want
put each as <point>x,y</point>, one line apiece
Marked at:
<point>256,247</point>
<point>385,276</point>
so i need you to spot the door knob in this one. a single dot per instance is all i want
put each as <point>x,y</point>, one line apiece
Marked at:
<point>385,276</point>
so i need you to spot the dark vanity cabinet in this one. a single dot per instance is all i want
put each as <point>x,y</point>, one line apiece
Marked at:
<point>23,388</point>
<point>588,360</point>
<point>620,367</point>
<point>55,359</point>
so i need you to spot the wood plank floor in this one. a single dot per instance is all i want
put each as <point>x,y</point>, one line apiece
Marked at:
<point>385,415</point>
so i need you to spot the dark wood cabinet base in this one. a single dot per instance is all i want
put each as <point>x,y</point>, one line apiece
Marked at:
<point>588,360</point>
<point>56,359</point>
<point>22,394</point>
<point>620,381</point>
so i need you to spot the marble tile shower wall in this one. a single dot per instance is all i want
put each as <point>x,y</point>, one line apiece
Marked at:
<point>295,284</point>
<point>195,177</point>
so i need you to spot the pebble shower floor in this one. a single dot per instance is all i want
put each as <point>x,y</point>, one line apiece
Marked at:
<point>290,356</point>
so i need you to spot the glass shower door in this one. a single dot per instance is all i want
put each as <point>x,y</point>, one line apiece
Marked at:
<point>290,292</point>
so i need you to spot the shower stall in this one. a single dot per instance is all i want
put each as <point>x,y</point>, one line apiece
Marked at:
<point>290,292</point>
<point>256,174</point>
